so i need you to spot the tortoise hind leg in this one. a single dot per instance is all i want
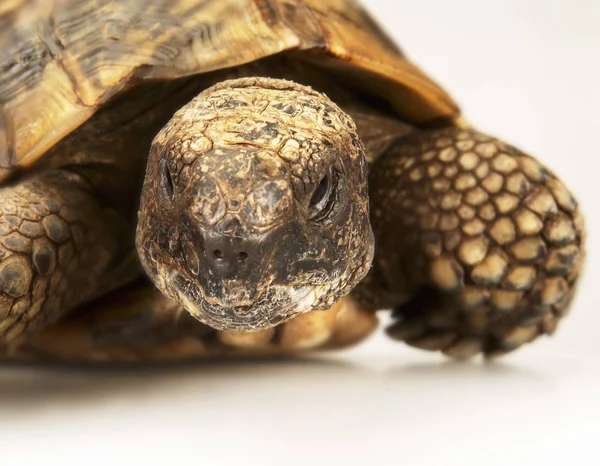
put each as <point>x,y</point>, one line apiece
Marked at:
<point>139,324</point>
<point>478,246</point>
<point>57,244</point>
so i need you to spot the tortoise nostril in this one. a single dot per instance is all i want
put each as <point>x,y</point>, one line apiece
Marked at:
<point>229,257</point>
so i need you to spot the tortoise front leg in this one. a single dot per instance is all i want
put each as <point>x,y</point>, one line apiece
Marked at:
<point>478,246</point>
<point>57,243</point>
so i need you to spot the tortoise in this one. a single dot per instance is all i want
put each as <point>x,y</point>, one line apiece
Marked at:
<point>185,179</point>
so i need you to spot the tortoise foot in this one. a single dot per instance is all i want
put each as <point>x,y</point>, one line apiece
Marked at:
<point>480,243</point>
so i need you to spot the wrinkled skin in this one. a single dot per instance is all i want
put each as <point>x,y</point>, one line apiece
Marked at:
<point>255,205</point>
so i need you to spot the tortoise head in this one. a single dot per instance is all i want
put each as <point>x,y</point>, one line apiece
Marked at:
<point>255,205</point>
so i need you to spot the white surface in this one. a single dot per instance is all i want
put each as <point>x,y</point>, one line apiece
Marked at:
<point>527,71</point>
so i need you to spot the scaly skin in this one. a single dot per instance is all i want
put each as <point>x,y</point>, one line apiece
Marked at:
<point>478,246</point>
<point>51,229</point>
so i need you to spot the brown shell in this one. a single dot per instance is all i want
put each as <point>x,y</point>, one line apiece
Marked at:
<point>60,60</point>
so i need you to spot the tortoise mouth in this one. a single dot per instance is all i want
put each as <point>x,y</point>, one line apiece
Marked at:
<point>234,294</point>
<point>279,304</point>
<point>270,306</point>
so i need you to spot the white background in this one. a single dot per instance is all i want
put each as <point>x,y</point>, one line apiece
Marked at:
<point>526,70</point>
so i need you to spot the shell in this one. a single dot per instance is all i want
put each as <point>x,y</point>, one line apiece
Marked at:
<point>61,60</point>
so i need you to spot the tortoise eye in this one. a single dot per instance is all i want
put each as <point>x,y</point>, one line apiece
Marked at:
<point>166,181</point>
<point>320,193</point>
<point>322,199</point>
